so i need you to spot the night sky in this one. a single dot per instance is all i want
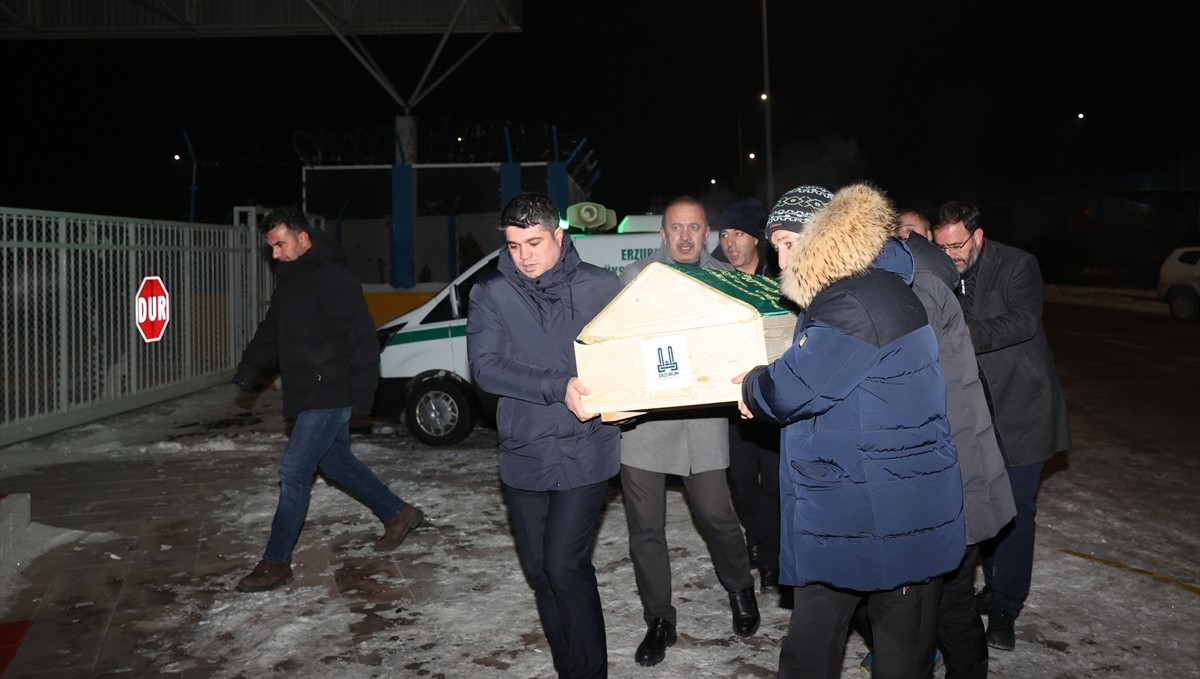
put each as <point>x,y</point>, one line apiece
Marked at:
<point>930,106</point>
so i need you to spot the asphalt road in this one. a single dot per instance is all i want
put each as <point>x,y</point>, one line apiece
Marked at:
<point>1134,374</point>
<point>1116,589</point>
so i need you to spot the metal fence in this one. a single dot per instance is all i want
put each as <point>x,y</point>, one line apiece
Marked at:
<point>72,349</point>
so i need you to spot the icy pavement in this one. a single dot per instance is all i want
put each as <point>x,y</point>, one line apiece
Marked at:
<point>142,524</point>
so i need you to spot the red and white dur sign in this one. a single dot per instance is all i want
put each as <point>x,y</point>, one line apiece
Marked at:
<point>152,308</point>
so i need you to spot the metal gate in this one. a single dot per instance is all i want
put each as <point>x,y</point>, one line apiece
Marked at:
<point>72,352</point>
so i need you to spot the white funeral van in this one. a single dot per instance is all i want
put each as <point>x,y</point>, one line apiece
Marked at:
<point>423,352</point>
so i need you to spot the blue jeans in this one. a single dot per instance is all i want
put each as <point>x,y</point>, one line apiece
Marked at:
<point>320,440</point>
<point>554,530</point>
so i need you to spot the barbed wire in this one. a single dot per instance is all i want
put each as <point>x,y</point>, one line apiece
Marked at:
<point>450,143</point>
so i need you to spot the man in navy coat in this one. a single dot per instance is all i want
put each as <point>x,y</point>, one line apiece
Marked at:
<point>555,457</point>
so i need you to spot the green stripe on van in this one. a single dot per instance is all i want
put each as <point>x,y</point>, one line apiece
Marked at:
<point>458,330</point>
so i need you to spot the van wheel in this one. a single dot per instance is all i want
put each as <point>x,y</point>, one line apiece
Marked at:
<point>439,412</point>
<point>1184,304</point>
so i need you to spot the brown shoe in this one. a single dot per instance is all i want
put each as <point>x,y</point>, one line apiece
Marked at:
<point>266,576</point>
<point>396,530</point>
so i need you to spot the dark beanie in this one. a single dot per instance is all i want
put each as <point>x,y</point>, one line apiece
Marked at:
<point>796,207</point>
<point>745,215</point>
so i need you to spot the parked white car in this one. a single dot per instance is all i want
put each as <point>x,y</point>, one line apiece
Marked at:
<point>1179,283</point>
<point>423,352</point>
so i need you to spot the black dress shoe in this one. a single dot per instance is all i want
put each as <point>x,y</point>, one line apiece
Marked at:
<point>770,579</point>
<point>745,612</point>
<point>653,648</point>
<point>1000,633</point>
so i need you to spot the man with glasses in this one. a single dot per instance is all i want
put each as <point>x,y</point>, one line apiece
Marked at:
<point>1001,295</point>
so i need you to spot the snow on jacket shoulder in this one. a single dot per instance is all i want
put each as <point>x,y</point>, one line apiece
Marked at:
<point>871,497</point>
<point>520,345</point>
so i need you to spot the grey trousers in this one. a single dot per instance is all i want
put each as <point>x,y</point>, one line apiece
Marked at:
<point>645,495</point>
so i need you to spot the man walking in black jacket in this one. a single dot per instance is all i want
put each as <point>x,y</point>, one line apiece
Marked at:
<point>319,327</point>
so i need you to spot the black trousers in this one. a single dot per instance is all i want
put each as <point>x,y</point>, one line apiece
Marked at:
<point>555,530</point>
<point>754,485</point>
<point>960,631</point>
<point>903,625</point>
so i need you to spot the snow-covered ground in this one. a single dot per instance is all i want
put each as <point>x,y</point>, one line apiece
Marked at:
<point>1116,585</point>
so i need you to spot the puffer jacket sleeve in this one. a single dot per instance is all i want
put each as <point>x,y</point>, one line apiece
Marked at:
<point>343,303</point>
<point>493,368</point>
<point>261,349</point>
<point>820,369</point>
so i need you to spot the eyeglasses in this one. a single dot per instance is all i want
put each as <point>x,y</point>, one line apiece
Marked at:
<point>957,246</point>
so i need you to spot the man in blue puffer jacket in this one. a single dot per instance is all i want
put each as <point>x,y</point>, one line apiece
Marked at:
<point>555,457</point>
<point>871,497</point>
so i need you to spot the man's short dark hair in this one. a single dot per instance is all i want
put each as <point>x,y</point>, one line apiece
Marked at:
<point>915,211</point>
<point>291,217</point>
<point>958,211</point>
<point>529,209</point>
<point>684,199</point>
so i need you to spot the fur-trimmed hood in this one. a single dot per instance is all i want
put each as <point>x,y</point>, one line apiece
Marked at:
<point>844,239</point>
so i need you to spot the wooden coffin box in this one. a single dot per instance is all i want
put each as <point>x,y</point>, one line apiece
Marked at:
<point>675,336</point>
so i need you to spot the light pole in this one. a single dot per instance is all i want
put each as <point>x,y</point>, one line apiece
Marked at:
<point>743,156</point>
<point>187,140</point>
<point>766,96</point>
<point>740,155</point>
